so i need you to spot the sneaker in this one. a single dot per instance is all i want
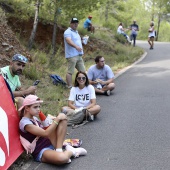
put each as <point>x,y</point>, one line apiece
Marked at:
<point>107,93</point>
<point>90,116</point>
<point>76,151</point>
<point>80,152</point>
<point>69,161</point>
<point>99,86</point>
<point>69,87</point>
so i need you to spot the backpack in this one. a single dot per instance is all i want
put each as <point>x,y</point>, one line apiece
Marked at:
<point>57,79</point>
<point>75,117</point>
<point>155,33</point>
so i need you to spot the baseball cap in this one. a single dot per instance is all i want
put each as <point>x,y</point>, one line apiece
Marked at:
<point>29,100</point>
<point>74,20</point>
<point>20,58</point>
<point>90,16</point>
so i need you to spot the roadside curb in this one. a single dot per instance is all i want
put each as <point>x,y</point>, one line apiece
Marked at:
<point>128,67</point>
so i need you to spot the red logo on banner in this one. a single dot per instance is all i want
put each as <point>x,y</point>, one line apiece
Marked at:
<point>10,146</point>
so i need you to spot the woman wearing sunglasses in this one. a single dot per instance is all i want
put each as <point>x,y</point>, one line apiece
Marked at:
<point>82,95</point>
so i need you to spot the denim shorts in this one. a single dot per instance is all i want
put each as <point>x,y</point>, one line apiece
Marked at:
<point>38,158</point>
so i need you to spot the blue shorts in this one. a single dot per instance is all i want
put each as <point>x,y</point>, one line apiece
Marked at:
<point>38,159</point>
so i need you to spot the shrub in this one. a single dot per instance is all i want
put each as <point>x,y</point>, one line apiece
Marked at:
<point>32,72</point>
<point>120,38</point>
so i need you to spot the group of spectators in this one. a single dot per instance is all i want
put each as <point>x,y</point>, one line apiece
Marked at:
<point>99,79</point>
<point>134,28</point>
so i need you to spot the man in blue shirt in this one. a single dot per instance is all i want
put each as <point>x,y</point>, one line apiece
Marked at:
<point>73,50</point>
<point>134,28</point>
<point>88,24</point>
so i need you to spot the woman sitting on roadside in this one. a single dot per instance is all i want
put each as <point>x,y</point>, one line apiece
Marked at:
<point>82,95</point>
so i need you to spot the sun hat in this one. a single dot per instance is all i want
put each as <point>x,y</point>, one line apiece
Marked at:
<point>74,20</point>
<point>20,58</point>
<point>29,100</point>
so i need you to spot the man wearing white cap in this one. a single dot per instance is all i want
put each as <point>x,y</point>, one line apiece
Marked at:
<point>73,50</point>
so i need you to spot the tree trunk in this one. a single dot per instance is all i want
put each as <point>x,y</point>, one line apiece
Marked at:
<point>159,21</point>
<point>54,50</point>
<point>32,37</point>
<point>153,10</point>
<point>107,11</point>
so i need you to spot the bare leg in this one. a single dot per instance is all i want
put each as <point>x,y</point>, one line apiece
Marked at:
<point>94,110</point>
<point>69,79</point>
<point>152,42</point>
<point>57,136</point>
<point>92,29</point>
<point>99,91</point>
<point>149,42</point>
<point>65,109</point>
<point>110,87</point>
<point>51,156</point>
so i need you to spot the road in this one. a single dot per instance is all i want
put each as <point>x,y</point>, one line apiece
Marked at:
<point>133,130</point>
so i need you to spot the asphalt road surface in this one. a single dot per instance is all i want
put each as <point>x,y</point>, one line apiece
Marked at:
<point>132,131</point>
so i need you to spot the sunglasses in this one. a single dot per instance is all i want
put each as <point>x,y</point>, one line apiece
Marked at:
<point>81,78</point>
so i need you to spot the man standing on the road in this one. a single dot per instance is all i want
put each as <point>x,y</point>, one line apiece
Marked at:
<point>73,50</point>
<point>101,77</point>
<point>11,74</point>
<point>134,28</point>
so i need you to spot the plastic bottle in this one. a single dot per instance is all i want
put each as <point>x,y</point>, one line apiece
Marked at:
<point>44,120</point>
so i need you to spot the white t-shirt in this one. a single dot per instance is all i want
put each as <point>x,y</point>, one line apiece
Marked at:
<point>120,29</point>
<point>151,34</point>
<point>26,121</point>
<point>82,97</point>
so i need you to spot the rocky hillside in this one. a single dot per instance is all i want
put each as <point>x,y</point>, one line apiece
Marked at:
<point>9,45</point>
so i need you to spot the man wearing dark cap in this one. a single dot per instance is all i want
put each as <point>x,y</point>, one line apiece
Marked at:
<point>73,50</point>
<point>134,28</point>
<point>88,24</point>
<point>11,74</point>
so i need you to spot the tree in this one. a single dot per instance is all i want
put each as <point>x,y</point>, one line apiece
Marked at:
<point>57,11</point>
<point>33,33</point>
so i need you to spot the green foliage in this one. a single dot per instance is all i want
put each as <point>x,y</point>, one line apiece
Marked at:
<point>164,34</point>
<point>120,38</point>
<point>32,72</point>
<point>40,58</point>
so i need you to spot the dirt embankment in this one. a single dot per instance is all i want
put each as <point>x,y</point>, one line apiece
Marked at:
<point>10,45</point>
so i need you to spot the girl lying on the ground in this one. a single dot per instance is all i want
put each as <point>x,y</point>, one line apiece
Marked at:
<point>49,146</point>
